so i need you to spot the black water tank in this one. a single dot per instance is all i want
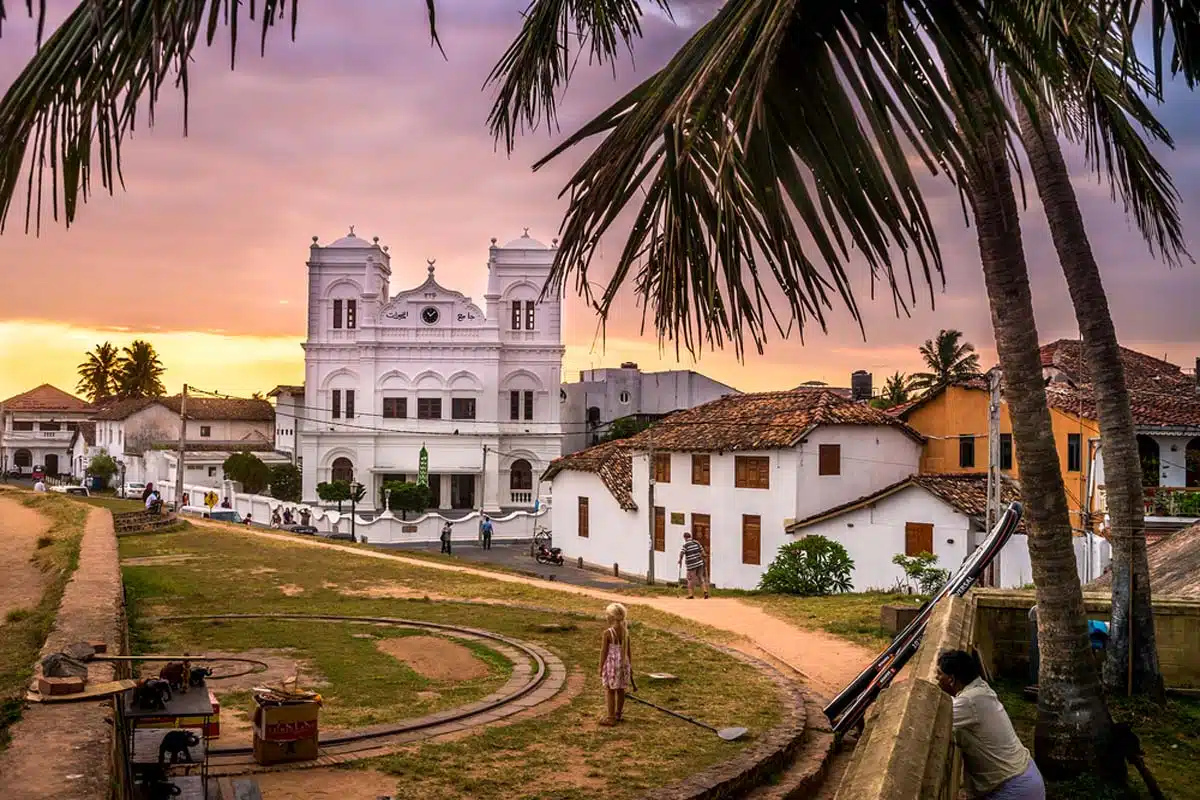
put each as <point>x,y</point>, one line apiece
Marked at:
<point>860,385</point>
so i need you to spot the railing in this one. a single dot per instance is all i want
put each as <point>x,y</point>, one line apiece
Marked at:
<point>12,437</point>
<point>521,498</point>
<point>1172,501</point>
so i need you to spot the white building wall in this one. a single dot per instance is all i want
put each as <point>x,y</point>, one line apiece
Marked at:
<point>615,536</point>
<point>872,458</point>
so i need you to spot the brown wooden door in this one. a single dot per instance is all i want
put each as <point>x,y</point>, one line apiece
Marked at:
<point>918,538</point>
<point>751,539</point>
<point>660,529</point>
<point>702,533</point>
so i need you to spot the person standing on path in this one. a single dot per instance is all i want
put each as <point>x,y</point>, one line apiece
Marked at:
<point>445,537</point>
<point>692,555</point>
<point>485,530</point>
<point>616,663</point>
<point>997,765</point>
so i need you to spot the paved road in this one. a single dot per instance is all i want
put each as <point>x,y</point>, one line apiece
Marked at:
<point>516,557</point>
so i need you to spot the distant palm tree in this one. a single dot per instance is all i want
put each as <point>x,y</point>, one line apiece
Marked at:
<point>98,373</point>
<point>895,390</point>
<point>948,360</point>
<point>140,372</point>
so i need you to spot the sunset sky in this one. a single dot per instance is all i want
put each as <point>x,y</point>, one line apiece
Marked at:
<point>360,122</point>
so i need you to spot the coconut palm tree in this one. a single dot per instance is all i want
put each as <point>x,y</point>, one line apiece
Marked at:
<point>140,372</point>
<point>1131,634</point>
<point>896,390</point>
<point>98,373</point>
<point>948,358</point>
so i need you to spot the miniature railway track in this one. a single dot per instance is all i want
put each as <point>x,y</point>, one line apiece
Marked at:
<point>537,676</point>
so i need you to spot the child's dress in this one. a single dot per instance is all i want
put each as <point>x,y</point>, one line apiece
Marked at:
<point>617,671</point>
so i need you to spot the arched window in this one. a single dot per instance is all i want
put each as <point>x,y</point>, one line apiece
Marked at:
<point>343,470</point>
<point>520,476</point>
<point>23,459</point>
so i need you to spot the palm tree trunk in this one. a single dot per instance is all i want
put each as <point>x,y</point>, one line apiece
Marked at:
<point>1073,726</point>
<point>1132,617</point>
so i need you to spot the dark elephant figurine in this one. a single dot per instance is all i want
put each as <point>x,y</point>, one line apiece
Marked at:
<point>197,676</point>
<point>152,695</point>
<point>173,673</point>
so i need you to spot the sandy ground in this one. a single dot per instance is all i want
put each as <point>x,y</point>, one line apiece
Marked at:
<point>23,582</point>
<point>312,784</point>
<point>825,661</point>
<point>435,658</point>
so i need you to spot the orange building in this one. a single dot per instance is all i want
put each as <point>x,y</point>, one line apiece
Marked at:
<point>1166,411</point>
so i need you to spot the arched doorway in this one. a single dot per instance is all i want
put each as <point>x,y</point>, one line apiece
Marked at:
<point>342,470</point>
<point>22,460</point>
<point>52,464</point>
<point>1192,461</point>
<point>1148,454</point>
<point>520,482</point>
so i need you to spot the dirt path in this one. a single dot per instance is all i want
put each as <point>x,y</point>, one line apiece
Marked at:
<point>825,661</point>
<point>23,582</point>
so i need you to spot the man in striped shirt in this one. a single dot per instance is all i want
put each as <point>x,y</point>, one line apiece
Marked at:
<point>693,554</point>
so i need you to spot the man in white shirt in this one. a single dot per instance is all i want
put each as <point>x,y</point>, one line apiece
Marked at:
<point>997,765</point>
<point>39,486</point>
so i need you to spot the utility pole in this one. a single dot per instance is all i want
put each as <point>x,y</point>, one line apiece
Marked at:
<point>993,478</point>
<point>650,514</point>
<point>182,443</point>
<point>483,488</point>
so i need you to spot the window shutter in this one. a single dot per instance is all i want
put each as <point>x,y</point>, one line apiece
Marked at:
<point>583,517</point>
<point>751,539</point>
<point>528,405</point>
<point>337,403</point>
<point>351,313</point>
<point>516,317</point>
<point>829,459</point>
<point>337,313</point>
<point>701,469</point>
<point>349,404</point>
<point>660,529</point>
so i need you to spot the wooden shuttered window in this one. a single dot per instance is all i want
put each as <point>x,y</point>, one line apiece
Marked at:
<point>701,469</point>
<point>702,531</point>
<point>662,467</point>
<point>829,460</point>
<point>918,538</point>
<point>660,529</point>
<point>752,472</point>
<point>583,517</point>
<point>751,539</point>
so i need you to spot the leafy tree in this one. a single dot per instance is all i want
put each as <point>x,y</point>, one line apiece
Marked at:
<point>139,371</point>
<point>625,427</point>
<point>406,497</point>
<point>248,470</point>
<point>922,571</point>
<point>811,567</point>
<point>286,482</point>
<point>98,373</point>
<point>103,466</point>
<point>334,492</point>
<point>895,391</point>
<point>948,359</point>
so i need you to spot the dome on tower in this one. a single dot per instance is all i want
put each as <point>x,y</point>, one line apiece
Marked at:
<point>525,242</point>
<point>350,240</point>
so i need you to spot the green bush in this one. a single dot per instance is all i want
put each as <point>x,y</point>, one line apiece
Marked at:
<point>334,492</point>
<point>406,497</point>
<point>811,567</point>
<point>922,570</point>
<point>286,483</point>
<point>248,470</point>
<point>103,466</point>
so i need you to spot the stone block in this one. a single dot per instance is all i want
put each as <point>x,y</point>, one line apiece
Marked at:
<point>53,687</point>
<point>894,619</point>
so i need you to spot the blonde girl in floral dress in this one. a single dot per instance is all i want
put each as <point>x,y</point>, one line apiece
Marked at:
<point>616,663</point>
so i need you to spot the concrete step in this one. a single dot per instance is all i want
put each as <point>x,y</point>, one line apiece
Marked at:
<point>805,773</point>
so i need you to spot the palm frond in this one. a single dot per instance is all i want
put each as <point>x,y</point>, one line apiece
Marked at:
<point>774,143</point>
<point>85,86</point>
<point>1180,19</point>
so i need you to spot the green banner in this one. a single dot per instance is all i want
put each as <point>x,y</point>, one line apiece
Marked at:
<point>423,468</point>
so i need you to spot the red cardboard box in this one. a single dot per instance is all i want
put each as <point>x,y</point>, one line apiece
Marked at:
<point>286,732</point>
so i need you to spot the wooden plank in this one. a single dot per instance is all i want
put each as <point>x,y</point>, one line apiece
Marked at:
<point>90,693</point>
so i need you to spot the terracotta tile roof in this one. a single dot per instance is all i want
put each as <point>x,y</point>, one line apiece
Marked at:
<point>611,461</point>
<point>286,389</point>
<point>765,421</point>
<point>243,446</point>
<point>88,431</point>
<point>966,492</point>
<point>47,398</point>
<point>200,408</point>
<point>838,390</point>
<point>1174,565</point>
<point>1142,372</point>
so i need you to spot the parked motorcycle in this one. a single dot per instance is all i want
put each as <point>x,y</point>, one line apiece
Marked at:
<point>548,555</point>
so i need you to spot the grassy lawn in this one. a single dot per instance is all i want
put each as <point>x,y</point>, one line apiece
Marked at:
<point>113,503</point>
<point>851,616</point>
<point>1170,737</point>
<point>24,631</point>
<point>211,570</point>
